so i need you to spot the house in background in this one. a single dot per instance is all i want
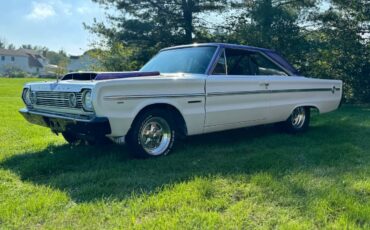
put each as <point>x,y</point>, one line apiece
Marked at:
<point>10,59</point>
<point>84,62</point>
<point>34,62</point>
<point>25,60</point>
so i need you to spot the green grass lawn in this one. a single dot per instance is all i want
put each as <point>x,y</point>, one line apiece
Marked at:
<point>248,178</point>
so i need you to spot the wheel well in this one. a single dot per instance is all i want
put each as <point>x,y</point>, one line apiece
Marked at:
<point>175,113</point>
<point>311,107</point>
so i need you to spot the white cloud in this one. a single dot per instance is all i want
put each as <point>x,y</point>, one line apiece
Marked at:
<point>41,11</point>
<point>83,9</point>
<point>60,6</point>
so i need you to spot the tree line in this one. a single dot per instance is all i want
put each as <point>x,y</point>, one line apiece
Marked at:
<point>321,38</point>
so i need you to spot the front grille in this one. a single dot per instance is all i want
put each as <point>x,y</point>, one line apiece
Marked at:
<point>56,99</point>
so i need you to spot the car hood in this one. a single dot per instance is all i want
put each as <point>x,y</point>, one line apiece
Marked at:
<point>60,86</point>
<point>88,80</point>
<point>99,76</point>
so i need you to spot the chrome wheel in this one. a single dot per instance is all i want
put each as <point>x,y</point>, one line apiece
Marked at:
<point>298,117</point>
<point>155,136</point>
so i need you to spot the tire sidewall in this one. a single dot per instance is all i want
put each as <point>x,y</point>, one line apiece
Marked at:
<point>134,140</point>
<point>289,126</point>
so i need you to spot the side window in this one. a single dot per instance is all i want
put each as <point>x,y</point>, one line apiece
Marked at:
<point>12,59</point>
<point>243,62</point>
<point>234,62</point>
<point>3,58</point>
<point>265,66</point>
<point>238,62</point>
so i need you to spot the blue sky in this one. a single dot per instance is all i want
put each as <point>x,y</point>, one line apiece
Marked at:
<point>56,24</point>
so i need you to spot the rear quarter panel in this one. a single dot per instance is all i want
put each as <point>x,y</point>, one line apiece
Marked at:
<point>288,93</point>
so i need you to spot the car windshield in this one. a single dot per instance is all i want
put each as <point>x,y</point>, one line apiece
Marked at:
<point>183,60</point>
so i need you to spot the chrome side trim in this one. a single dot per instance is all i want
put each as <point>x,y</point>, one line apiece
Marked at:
<point>237,93</point>
<point>127,97</point>
<point>272,91</point>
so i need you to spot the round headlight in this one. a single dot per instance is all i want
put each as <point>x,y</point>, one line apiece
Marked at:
<point>26,96</point>
<point>87,101</point>
<point>72,100</point>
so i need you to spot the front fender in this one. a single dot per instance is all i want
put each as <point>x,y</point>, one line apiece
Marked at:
<point>122,100</point>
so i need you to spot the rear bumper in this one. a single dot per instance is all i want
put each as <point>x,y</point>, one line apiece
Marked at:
<point>60,123</point>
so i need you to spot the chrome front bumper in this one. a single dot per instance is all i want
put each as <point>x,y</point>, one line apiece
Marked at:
<point>88,125</point>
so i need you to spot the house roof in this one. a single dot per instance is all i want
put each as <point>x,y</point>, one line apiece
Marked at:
<point>32,52</point>
<point>8,52</point>
<point>33,62</point>
<point>33,57</point>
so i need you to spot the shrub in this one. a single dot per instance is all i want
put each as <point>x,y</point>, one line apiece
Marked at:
<point>14,72</point>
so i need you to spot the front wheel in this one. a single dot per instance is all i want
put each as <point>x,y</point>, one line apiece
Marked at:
<point>298,121</point>
<point>152,134</point>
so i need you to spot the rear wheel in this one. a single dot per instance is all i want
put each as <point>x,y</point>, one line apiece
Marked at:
<point>152,134</point>
<point>298,121</point>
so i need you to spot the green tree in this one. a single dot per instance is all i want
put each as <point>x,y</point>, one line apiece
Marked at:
<point>341,47</point>
<point>274,24</point>
<point>37,48</point>
<point>2,43</point>
<point>62,67</point>
<point>163,21</point>
<point>118,58</point>
<point>154,24</point>
<point>11,47</point>
<point>56,57</point>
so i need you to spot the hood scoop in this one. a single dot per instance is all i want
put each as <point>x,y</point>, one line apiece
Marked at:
<point>107,76</point>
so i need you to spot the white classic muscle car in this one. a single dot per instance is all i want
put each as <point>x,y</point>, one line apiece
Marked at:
<point>183,90</point>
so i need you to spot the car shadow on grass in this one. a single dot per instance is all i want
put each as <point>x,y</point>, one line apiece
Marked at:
<point>88,173</point>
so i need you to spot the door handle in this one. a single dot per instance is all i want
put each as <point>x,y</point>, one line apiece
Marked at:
<point>266,84</point>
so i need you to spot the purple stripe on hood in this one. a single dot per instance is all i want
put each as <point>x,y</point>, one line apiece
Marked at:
<point>108,76</point>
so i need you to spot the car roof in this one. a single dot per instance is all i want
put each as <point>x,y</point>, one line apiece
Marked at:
<point>222,45</point>
<point>272,54</point>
